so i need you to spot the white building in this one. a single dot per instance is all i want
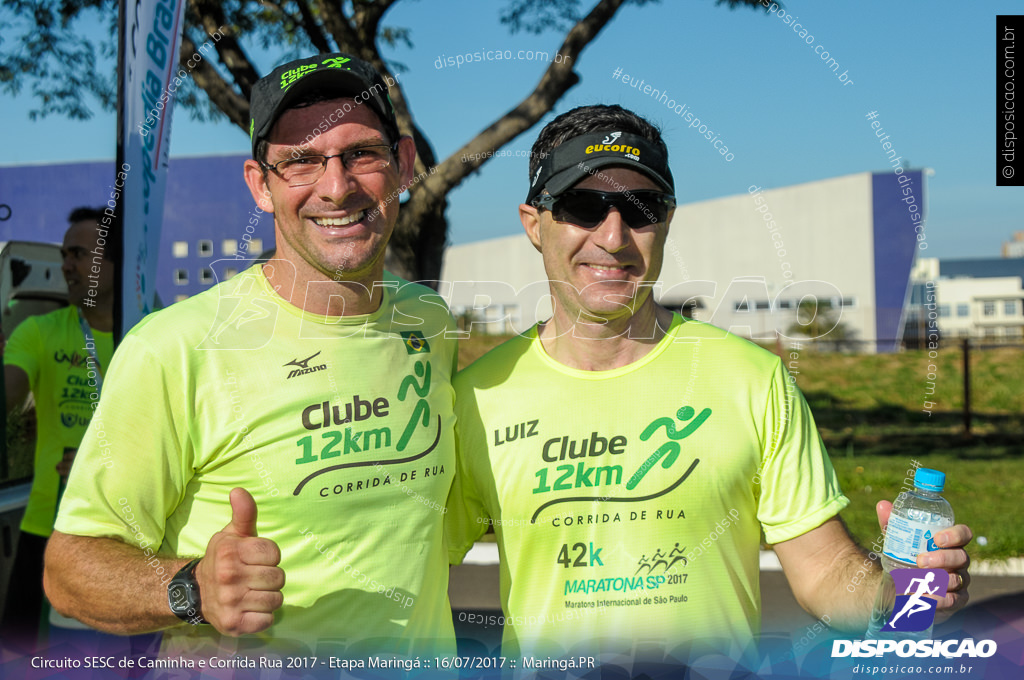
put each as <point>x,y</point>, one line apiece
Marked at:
<point>742,262</point>
<point>1015,246</point>
<point>980,299</point>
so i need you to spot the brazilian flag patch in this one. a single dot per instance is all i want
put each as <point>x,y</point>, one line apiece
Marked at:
<point>415,343</point>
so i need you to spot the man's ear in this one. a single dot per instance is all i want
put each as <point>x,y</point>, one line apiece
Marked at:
<point>530,218</point>
<point>256,180</point>
<point>406,161</point>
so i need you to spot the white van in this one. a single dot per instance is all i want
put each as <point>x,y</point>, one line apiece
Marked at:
<point>31,282</point>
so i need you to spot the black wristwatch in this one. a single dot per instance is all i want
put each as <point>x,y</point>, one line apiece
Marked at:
<point>183,595</point>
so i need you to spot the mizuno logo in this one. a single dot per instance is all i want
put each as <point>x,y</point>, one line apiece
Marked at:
<point>303,366</point>
<point>610,139</point>
<point>535,177</point>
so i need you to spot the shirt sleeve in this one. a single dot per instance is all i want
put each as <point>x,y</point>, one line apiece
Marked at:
<point>467,517</point>
<point>136,457</point>
<point>799,488</point>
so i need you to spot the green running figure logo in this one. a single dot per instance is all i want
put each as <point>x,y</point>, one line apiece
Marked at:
<point>671,448</point>
<point>421,411</point>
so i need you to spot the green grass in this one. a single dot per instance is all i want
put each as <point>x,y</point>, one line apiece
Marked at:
<point>854,396</point>
<point>985,495</point>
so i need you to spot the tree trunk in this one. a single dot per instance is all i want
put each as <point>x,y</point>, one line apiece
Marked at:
<point>416,249</point>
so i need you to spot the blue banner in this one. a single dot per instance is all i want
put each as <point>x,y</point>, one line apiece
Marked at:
<point>150,40</point>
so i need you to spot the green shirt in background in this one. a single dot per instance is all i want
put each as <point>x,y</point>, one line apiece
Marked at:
<point>51,350</point>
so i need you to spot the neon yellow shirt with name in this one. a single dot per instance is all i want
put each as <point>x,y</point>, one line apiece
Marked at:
<point>628,504</point>
<point>342,430</point>
<point>51,349</point>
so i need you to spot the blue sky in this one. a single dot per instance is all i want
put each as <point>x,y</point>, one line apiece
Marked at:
<point>927,69</point>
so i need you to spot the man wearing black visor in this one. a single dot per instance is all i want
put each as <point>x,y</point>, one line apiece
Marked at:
<point>629,458</point>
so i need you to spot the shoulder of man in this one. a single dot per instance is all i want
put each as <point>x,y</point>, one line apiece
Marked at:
<point>189,320</point>
<point>405,291</point>
<point>417,308</point>
<point>716,341</point>
<point>494,367</point>
<point>44,324</point>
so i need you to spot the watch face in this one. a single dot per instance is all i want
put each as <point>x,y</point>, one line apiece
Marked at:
<point>177,595</point>
<point>183,595</point>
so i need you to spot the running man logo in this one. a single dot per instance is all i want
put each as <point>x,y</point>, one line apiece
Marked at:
<point>415,343</point>
<point>914,610</point>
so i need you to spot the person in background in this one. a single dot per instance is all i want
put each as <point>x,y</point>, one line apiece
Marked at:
<point>59,360</point>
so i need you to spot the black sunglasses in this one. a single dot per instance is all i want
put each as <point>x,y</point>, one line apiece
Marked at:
<point>588,208</point>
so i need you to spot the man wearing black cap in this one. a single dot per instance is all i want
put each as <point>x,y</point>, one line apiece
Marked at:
<point>270,459</point>
<point>628,457</point>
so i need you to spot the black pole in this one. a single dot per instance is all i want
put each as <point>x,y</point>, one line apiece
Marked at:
<point>967,386</point>
<point>118,221</point>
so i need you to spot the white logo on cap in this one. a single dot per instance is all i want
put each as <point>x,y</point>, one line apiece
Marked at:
<point>534,182</point>
<point>610,139</point>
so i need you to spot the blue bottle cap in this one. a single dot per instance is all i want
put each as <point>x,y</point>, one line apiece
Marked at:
<point>930,480</point>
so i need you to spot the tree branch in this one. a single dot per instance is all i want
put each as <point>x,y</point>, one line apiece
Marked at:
<point>338,26</point>
<point>418,242</point>
<point>350,38</point>
<point>555,82</point>
<point>234,105</point>
<point>279,6</point>
<point>312,28</point>
<point>211,16</point>
<point>367,18</point>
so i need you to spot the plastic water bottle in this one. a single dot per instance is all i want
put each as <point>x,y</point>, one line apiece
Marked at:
<point>916,517</point>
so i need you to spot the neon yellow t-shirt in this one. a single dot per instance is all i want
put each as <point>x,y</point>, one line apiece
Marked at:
<point>340,427</point>
<point>51,349</point>
<point>628,503</point>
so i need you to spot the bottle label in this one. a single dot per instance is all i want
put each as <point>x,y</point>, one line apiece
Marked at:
<point>905,538</point>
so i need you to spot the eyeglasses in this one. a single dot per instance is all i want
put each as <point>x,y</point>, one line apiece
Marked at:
<point>588,208</point>
<point>308,169</point>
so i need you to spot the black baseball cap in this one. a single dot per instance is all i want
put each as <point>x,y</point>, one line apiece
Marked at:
<point>574,160</point>
<point>333,74</point>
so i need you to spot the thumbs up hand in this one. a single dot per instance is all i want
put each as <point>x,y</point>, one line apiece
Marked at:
<point>239,580</point>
